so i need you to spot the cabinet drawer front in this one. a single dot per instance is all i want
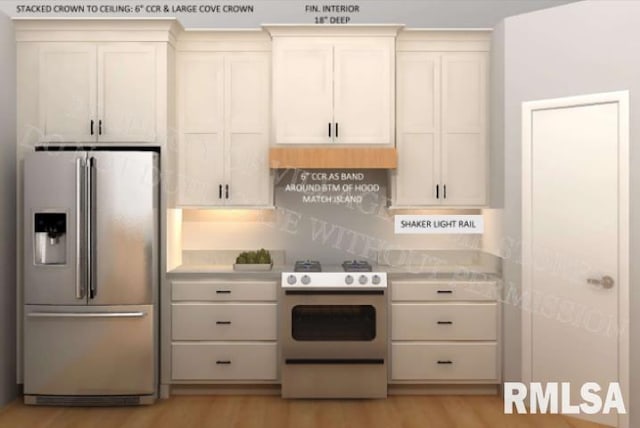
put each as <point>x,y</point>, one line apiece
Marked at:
<point>443,290</point>
<point>425,361</point>
<point>224,321</point>
<point>224,291</point>
<point>444,321</point>
<point>207,361</point>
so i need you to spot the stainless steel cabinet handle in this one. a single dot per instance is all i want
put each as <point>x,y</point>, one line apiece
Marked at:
<point>138,314</point>
<point>604,282</point>
<point>79,232</point>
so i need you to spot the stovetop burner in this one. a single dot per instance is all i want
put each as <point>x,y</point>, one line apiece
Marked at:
<point>356,266</point>
<point>307,266</point>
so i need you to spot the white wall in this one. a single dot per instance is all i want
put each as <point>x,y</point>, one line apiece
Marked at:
<point>8,386</point>
<point>585,47</point>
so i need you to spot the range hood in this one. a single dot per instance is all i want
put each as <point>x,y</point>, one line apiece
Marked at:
<point>333,158</point>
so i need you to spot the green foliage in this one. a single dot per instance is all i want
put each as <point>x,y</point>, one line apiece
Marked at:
<point>261,256</point>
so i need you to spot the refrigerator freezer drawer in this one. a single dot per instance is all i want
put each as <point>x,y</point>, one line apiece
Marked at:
<point>71,350</point>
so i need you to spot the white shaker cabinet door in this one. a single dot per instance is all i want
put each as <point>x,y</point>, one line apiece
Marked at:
<point>418,132</point>
<point>464,111</point>
<point>302,91</point>
<point>363,91</point>
<point>200,93</point>
<point>67,92</point>
<point>127,92</point>
<point>247,105</point>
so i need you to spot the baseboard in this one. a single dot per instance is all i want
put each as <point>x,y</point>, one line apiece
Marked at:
<point>225,389</point>
<point>470,389</point>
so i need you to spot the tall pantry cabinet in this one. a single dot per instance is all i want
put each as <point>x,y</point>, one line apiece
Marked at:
<point>442,119</point>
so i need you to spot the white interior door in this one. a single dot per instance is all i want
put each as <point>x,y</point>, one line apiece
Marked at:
<point>575,215</point>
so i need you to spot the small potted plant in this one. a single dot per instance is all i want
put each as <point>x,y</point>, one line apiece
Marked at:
<point>254,261</point>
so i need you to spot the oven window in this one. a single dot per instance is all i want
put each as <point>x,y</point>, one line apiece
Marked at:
<point>333,322</point>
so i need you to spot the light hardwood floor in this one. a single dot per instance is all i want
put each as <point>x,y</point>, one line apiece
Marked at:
<point>274,412</point>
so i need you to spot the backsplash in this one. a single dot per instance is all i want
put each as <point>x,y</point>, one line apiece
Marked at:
<point>315,223</point>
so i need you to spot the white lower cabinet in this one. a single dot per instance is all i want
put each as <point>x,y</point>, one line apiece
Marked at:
<point>224,331</point>
<point>445,332</point>
<point>224,361</point>
<point>450,361</point>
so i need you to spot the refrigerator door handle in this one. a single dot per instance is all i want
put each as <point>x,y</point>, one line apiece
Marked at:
<point>137,314</point>
<point>91,229</point>
<point>80,279</point>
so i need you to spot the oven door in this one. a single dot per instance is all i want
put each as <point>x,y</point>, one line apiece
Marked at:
<point>336,325</point>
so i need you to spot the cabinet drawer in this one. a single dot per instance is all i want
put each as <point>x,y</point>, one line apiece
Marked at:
<point>443,290</point>
<point>224,291</point>
<point>444,321</point>
<point>224,321</point>
<point>426,361</point>
<point>209,361</point>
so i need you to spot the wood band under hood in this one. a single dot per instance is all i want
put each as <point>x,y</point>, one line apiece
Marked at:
<point>333,158</point>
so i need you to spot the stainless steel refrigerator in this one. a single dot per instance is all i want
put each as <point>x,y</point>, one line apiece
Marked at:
<point>90,277</point>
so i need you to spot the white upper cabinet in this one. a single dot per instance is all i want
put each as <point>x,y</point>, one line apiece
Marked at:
<point>247,104</point>
<point>302,91</point>
<point>464,130</point>
<point>418,139</point>
<point>67,91</point>
<point>223,129</point>
<point>363,91</point>
<point>127,92</point>
<point>441,98</point>
<point>105,92</point>
<point>333,86</point>
<point>85,82</point>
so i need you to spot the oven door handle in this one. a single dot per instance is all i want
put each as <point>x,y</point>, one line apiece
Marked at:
<point>334,292</point>
<point>333,361</point>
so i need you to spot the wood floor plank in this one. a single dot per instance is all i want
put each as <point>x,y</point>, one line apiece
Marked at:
<point>273,412</point>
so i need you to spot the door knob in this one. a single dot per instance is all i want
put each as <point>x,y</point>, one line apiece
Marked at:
<point>605,281</point>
